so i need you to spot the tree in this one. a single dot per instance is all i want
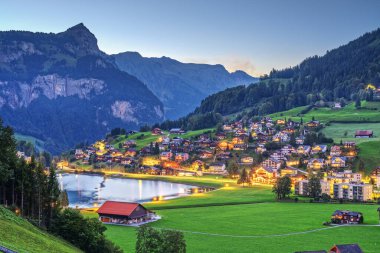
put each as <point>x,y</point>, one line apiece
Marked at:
<point>282,187</point>
<point>358,103</point>
<point>233,168</point>
<point>244,178</point>
<point>150,240</point>
<point>314,187</point>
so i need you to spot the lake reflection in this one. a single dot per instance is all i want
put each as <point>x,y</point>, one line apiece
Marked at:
<point>89,190</point>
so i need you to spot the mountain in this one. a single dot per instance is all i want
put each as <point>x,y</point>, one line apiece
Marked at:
<point>180,86</point>
<point>341,74</point>
<point>63,90</point>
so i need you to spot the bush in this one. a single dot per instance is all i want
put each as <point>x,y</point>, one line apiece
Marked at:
<point>150,240</point>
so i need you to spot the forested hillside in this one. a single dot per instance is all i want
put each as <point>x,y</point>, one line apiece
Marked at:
<point>342,73</point>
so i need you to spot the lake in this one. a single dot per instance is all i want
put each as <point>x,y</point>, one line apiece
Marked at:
<point>86,190</point>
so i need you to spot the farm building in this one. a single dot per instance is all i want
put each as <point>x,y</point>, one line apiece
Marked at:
<point>346,216</point>
<point>124,213</point>
<point>363,134</point>
<point>346,248</point>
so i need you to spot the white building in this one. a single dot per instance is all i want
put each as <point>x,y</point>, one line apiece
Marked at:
<point>353,191</point>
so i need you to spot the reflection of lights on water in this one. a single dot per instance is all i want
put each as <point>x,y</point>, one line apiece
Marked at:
<point>76,176</point>
<point>140,189</point>
<point>181,190</point>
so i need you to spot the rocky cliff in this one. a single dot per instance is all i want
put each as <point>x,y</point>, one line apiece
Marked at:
<point>62,89</point>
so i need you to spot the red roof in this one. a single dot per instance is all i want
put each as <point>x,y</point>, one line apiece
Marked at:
<point>118,208</point>
<point>363,132</point>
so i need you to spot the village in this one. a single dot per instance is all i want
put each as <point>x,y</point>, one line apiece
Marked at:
<point>267,149</point>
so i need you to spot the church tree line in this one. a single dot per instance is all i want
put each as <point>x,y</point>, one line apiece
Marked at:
<point>341,74</point>
<point>31,190</point>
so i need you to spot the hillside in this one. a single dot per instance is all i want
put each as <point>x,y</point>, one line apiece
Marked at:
<point>62,89</point>
<point>180,86</point>
<point>342,73</point>
<point>19,235</point>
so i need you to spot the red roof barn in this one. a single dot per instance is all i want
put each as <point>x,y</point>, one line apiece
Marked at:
<point>123,212</point>
<point>363,134</point>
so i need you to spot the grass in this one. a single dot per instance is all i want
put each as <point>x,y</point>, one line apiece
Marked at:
<point>370,154</point>
<point>262,220</point>
<point>39,144</point>
<point>347,114</point>
<point>19,235</point>
<point>337,131</point>
<point>147,137</point>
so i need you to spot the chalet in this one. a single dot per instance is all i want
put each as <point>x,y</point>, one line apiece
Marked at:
<point>335,151</point>
<point>260,149</point>
<point>349,145</point>
<point>345,217</point>
<point>177,131</point>
<point>337,106</point>
<point>79,154</point>
<point>157,131</point>
<point>300,140</point>
<point>363,134</point>
<point>266,175</point>
<point>278,156</point>
<point>224,155</point>
<point>375,177</point>
<point>272,163</point>
<point>353,191</point>
<point>287,150</point>
<point>129,144</point>
<point>293,172</point>
<point>262,136</point>
<point>114,212</point>
<point>303,150</point>
<point>227,128</point>
<point>316,163</point>
<point>346,248</point>
<point>318,149</point>
<point>205,154</point>
<point>241,132</point>
<point>239,147</point>
<point>247,160</point>
<point>217,168</point>
<point>220,136</point>
<point>346,176</point>
<point>181,157</point>
<point>126,161</point>
<point>165,156</point>
<point>280,122</point>
<point>238,140</point>
<point>177,140</point>
<point>313,123</point>
<point>338,162</point>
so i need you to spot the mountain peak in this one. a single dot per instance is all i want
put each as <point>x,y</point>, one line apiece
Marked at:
<point>83,37</point>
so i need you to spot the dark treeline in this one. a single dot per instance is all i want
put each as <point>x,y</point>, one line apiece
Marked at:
<point>341,74</point>
<point>31,190</point>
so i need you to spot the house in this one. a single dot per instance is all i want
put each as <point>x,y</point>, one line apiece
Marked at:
<point>278,156</point>
<point>165,156</point>
<point>240,147</point>
<point>346,217</point>
<point>316,163</point>
<point>363,134</point>
<point>375,177</point>
<point>353,191</point>
<point>157,131</point>
<point>272,163</point>
<point>346,248</point>
<point>261,149</point>
<point>335,151</point>
<point>287,150</point>
<point>349,145</point>
<point>247,160</point>
<point>313,123</point>
<point>79,154</point>
<point>177,131</point>
<point>129,144</point>
<point>300,140</point>
<point>115,212</point>
<point>220,136</point>
<point>131,152</point>
<point>337,106</point>
<point>280,122</point>
<point>303,150</point>
<point>265,175</point>
<point>301,187</point>
<point>205,154</point>
<point>181,157</point>
<point>338,162</point>
<point>224,155</point>
<point>217,168</point>
<point>318,149</point>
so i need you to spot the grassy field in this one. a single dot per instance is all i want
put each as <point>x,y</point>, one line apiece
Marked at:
<point>19,235</point>
<point>265,227</point>
<point>346,131</point>
<point>145,138</point>
<point>39,144</point>
<point>226,224</point>
<point>347,114</point>
<point>370,154</point>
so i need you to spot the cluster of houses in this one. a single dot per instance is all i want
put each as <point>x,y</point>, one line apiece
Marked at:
<point>268,148</point>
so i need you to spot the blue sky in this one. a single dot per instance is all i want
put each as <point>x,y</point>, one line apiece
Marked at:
<point>255,36</point>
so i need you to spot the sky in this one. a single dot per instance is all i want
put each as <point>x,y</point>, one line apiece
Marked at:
<point>254,36</point>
